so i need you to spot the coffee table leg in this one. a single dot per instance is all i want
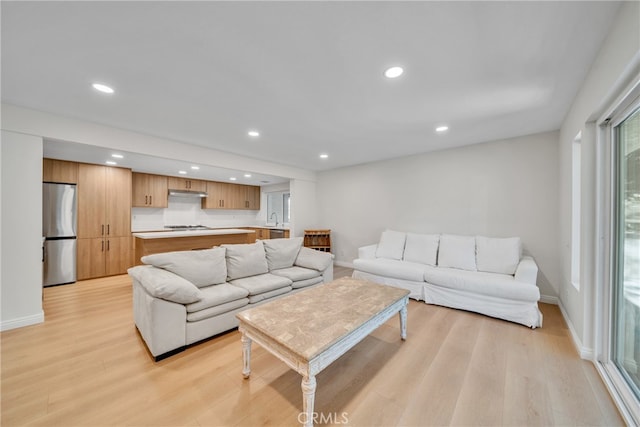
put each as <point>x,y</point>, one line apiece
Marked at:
<point>308,398</point>
<point>246,356</point>
<point>403,322</point>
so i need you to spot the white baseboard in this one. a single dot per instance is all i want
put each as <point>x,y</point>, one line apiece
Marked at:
<point>22,321</point>
<point>584,352</point>
<point>343,264</point>
<point>548,299</point>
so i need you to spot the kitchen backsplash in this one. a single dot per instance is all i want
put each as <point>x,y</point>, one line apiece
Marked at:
<point>187,211</point>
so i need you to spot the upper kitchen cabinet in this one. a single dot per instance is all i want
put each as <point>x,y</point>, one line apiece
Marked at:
<point>149,191</point>
<point>218,196</point>
<point>221,195</point>
<point>59,171</point>
<point>252,197</point>
<point>176,183</point>
<point>104,201</point>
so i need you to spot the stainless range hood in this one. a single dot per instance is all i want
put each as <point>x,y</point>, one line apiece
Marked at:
<point>188,193</point>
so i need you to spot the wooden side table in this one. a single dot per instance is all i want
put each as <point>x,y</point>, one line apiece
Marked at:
<point>319,240</point>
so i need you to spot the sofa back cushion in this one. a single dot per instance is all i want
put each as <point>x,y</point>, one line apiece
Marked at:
<point>496,255</point>
<point>457,252</point>
<point>245,260</point>
<point>281,253</point>
<point>202,268</point>
<point>391,245</point>
<point>421,248</point>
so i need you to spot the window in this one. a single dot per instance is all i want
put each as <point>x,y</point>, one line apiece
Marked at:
<point>618,268</point>
<point>576,153</point>
<point>625,327</point>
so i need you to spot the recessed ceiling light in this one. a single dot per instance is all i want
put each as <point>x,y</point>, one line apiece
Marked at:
<point>393,72</point>
<point>102,88</point>
<point>195,168</point>
<point>182,172</point>
<point>111,162</point>
<point>247,175</point>
<point>233,178</point>
<point>117,156</point>
<point>253,133</point>
<point>324,156</point>
<point>442,129</point>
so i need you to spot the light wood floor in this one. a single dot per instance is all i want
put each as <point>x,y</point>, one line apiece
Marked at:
<point>87,366</point>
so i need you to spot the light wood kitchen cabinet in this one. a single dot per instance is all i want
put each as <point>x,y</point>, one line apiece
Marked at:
<point>99,257</point>
<point>218,196</point>
<point>59,171</point>
<point>252,197</point>
<point>149,191</point>
<point>221,195</point>
<point>104,201</point>
<point>177,183</point>
<point>104,221</point>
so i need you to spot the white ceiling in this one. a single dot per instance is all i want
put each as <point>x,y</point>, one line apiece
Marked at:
<point>307,75</point>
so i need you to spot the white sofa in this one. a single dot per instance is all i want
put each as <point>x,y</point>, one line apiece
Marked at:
<point>474,273</point>
<point>180,298</point>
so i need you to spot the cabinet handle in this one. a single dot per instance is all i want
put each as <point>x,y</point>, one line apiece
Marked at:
<point>146,202</point>
<point>108,244</point>
<point>102,232</point>
<point>102,249</point>
<point>108,229</point>
<point>150,200</point>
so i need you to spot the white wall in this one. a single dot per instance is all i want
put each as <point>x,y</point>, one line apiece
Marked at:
<point>502,188</point>
<point>304,213</point>
<point>616,64</point>
<point>32,122</point>
<point>21,230</point>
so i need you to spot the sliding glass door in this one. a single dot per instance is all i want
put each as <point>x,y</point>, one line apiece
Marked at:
<point>625,297</point>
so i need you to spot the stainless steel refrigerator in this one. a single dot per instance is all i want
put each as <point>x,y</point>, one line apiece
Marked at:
<point>59,219</point>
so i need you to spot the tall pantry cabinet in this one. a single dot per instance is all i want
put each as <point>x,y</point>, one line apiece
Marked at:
<point>104,221</point>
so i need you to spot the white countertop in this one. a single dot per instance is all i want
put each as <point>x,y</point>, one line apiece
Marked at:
<point>170,234</point>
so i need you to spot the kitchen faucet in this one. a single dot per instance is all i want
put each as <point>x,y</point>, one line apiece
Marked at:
<point>271,217</point>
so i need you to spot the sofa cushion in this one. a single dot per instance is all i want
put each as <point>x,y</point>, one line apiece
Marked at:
<point>217,295</point>
<point>497,255</point>
<point>281,253</point>
<point>245,260</point>
<point>421,248</point>
<point>391,268</point>
<point>315,260</point>
<point>391,245</point>
<point>165,285</point>
<point>305,283</point>
<point>266,295</point>
<point>479,282</point>
<point>457,252</point>
<point>297,273</point>
<point>261,283</point>
<point>202,268</point>
<point>217,310</point>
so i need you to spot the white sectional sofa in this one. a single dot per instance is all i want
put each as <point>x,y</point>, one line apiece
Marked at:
<point>180,298</point>
<point>474,273</point>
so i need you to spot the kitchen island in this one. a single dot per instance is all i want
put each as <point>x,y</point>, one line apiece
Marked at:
<point>148,243</point>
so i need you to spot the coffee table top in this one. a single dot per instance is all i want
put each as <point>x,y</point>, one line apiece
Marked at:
<point>308,322</point>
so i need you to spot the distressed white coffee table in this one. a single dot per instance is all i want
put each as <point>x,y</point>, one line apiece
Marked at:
<point>311,329</point>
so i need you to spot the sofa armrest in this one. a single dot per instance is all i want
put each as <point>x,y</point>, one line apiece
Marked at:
<point>162,323</point>
<point>315,260</point>
<point>163,284</point>
<point>527,270</point>
<point>367,252</point>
